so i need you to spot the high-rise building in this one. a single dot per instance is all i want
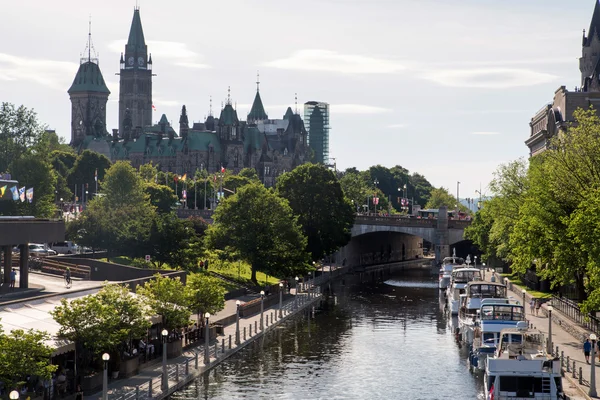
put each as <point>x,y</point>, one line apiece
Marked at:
<point>316,121</point>
<point>135,83</point>
<point>556,116</point>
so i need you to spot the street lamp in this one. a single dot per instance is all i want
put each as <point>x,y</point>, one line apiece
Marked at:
<point>262,306</point>
<point>206,344</point>
<point>105,358</point>
<point>14,395</point>
<point>165,378</point>
<point>475,265</point>
<point>549,349</point>
<point>483,270</point>
<point>592,391</point>
<point>297,285</point>
<point>237,322</point>
<point>375,182</point>
<point>523,291</point>
<point>280,299</point>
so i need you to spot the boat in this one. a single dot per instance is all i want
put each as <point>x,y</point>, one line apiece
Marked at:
<point>521,368</point>
<point>494,316</point>
<point>470,304</point>
<point>458,283</point>
<point>448,265</point>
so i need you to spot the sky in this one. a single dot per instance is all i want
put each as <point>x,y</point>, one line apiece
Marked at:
<point>445,88</point>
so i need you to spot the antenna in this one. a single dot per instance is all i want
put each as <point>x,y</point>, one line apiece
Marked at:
<point>228,94</point>
<point>257,80</point>
<point>210,107</point>
<point>296,101</point>
<point>90,39</point>
<point>89,46</point>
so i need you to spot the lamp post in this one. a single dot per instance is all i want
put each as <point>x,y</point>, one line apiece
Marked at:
<point>592,391</point>
<point>475,260</point>
<point>549,349</point>
<point>523,291</point>
<point>375,182</point>
<point>280,299</point>
<point>165,379</point>
<point>206,344</point>
<point>262,306</point>
<point>483,270</point>
<point>237,322</point>
<point>297,285</point>
<point>14,395</point>
<point>105,358</point>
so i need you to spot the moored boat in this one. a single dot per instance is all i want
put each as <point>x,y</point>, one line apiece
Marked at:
<point>470,304</point>
<point>460,278</point>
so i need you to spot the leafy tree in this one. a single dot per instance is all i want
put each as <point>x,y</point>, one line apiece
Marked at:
<point>204,293</point>
<point>166,297</point>
<point>419,189</point>
<point>441,197</point>
<point>318,201</point>
<point>49,142</point>
<point>162,197</point>
<point>34,171</point>
<point>19,130</point>
<point>249,173</point>
<point>24,353</point>
<point>149,172</point>
<point>199,225</point>
<point>257,226</point>
<point>169,241</point>
<point>83,172</point>
<point>355,188</point>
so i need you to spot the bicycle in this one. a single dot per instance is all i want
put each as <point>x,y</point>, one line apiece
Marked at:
<point>68,282</point>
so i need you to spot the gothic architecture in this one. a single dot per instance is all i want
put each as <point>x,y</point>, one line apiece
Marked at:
<point>271,146</point>
<point>554,118</point>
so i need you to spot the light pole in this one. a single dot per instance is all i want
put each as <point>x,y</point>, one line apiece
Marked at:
<point>206,344</point>
<point>592,391</point>
<point>475,258</point>
<point>297,285</point>
<point>105,358</point>
<point>296,297</point>
<point>165,377</point>
<point>14,395</point>
<point>483,270</point>
<point>262,307</point>
<point>375,182</point>
<point>524,292</point>
<point>457,198</point>
<point>280,299</point>
<point>237,322</point>
<point>549,349</point>
<point>405,192</point>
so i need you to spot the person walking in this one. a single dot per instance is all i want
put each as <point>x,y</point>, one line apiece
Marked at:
<point>538,305</point>
<point>13,278</point>
<point>587,349</point>
<point>532,306</point>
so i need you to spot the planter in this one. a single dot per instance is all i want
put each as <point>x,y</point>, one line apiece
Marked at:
<point>129,367</point>
<point>174,349</point>
<point>91,384</point>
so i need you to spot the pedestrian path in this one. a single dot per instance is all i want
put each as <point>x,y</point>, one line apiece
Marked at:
<point>148,383</point>
<point>570,348</point>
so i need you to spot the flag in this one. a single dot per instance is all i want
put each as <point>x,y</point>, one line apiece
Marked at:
<point>153,108</point>
<point>184,177</point>
<point>29,195</point>
<point>96,175</point>
<point>215,178</point>
<point>15,193</point>
<point>22,194</point>
<point>184,194</point>
<point>175,178</point>
<point>2,190</point>
<point>222,169</point>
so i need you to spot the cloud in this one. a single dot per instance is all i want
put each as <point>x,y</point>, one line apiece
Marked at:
<point>175,52</point>
<point>50,73</point>
<point>331,61</point>
<point>396,126</point>
<point>485,133</point>
<point>357,109</point>
<point>488,78</point>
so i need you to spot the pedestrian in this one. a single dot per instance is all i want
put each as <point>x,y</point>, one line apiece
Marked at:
<point>538,305</point>
<point>532,306</point>
<point>13,278</point>
<point>587,349</point>
<point>79,394</point>
<point>201,264</point>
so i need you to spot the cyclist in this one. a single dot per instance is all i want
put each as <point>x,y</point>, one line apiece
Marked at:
<point>68,276</point>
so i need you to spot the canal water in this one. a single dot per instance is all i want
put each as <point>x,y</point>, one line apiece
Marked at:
<point>380,341</point>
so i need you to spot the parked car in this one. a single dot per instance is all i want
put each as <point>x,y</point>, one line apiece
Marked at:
<point>67,247</point>
<point>39,250</point>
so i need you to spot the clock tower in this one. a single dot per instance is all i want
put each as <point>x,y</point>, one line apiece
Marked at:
<point>135,84</point>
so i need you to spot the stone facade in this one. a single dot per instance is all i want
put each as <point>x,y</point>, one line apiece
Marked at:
<point>555,117</point>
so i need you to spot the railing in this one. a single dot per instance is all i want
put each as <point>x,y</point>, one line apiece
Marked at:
<point>571,309</point>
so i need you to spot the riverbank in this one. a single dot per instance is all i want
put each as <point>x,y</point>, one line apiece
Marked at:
<point>148,384</point>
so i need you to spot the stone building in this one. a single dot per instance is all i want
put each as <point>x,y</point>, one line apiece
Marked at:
<point>554,118</point>
<point>271,146</point>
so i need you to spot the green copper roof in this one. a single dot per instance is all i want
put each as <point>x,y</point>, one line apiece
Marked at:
<point>288,114</point>
<point>257,113</point>
<point>253,139</point>
<point>89,79</point>
<point>228,116</point>
<point>136,42</point>
<point>148,145</point>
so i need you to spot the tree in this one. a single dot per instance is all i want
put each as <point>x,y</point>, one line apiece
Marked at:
<point>257,226</point>
<point>162,197</point>
<point>19,130</point>
<point>49,142</point>
<point>355,188</point>
<point>35,172</point>
<point>24,353</point>
<point>166,297</point>
<point>149,172</point>
<point>204,293</point>
<point>170,240</point>
<point>318,201</point>
<point>249,173</point>
<point>84,170</point>
<point>440,197</point>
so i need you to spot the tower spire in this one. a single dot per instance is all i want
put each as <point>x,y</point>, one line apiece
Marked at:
<point>90,39</point>
<point>228,94</point>
<point>296,101</point>
<point>89,46</point>
<point>210,113</point>
<point>257,81</point>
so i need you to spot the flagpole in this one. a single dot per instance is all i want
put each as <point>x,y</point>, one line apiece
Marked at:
<point>204,205</point>
<point>195,195</point>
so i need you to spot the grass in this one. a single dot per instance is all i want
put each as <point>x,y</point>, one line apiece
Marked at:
<point>516,280</point>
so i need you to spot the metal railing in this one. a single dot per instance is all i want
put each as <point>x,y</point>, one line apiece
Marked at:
<point>571,309</point>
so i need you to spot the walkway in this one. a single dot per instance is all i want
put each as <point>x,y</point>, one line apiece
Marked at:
<point>183,369</point>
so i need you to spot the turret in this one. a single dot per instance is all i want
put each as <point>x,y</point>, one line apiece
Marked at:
<point>183,123</point>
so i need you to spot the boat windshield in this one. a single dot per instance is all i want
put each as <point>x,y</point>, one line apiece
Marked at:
<point>487,291</point>
<point>466,276</point>
<point>505,312</point>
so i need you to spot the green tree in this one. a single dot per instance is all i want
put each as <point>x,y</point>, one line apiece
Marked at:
<point>162,197</point>
<point>83,172</point>
<point>249,173</point>
<point>355,189</point>
<point>24,353</point>
<point>49,142</point>
<point>170,240</point>
<point>204,293</point>
<point>149,172</point>
<point>440,197</point>
<point>257,226</point>
<point>19,131</point>
<point>35,172</point>
<point>318,201</point>
<point>166,297</point>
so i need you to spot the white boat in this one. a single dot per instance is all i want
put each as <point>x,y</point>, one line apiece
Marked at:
<point>521,368</point>
<point>445,273</point>
<point>470,304</point>
<point>494,316</point>
<point>458,283</point>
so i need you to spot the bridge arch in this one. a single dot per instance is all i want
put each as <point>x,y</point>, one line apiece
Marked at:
<point>422,232</point>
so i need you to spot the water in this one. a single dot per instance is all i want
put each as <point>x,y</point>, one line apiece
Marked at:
<point>385,341</point>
